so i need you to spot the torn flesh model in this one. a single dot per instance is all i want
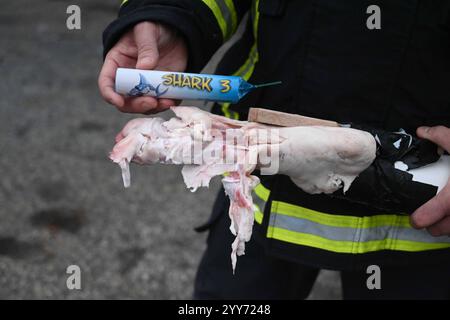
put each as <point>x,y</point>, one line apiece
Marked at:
<point>317,159</point>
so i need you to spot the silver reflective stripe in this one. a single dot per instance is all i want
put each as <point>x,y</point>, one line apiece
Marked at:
<point>352,234</point>
<point>259,205</point>
<point>259,202</point>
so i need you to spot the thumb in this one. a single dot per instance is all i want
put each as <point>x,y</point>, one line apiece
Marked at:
<point>145,36</point>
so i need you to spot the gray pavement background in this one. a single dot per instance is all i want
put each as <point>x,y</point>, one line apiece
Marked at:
<point>61,199</point>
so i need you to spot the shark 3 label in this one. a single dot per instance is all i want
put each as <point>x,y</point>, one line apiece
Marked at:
<point>187,81</point>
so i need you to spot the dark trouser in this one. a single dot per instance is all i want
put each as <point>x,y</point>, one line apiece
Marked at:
<point>259,276</point>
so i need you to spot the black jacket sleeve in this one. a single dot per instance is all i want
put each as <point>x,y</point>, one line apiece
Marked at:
<point>194,19</point>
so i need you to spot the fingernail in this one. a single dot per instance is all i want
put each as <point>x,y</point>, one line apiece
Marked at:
<point>425,129</point>
<point>145,63</point>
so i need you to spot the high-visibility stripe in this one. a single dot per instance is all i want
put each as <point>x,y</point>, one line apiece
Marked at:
<point>212,4</point>
<point>353,234</point>
<point>340,220</point>
<point>260,197</point>
<point>262,192</point>
<point>258,214</point>
<point>233,15</point>
<point>315,241</point>
<point>229,15</point>
<point>255,15</point>
<point>348,234</point>
<point>225,14</point>
<point>341,233</point>
<point>123,2</point>
<point>246,70</point>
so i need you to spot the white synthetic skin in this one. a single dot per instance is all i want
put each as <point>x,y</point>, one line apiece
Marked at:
<point>317,159</point>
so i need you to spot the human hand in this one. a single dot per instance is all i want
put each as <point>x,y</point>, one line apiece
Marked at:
<point>435,214</point>
<point>147,46</point>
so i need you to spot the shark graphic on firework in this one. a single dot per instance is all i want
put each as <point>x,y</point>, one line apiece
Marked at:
<point>144,87</point>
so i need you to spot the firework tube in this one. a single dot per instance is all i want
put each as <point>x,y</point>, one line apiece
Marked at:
<point>179,85</point>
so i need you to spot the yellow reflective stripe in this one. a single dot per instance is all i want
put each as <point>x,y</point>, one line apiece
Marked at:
<point>311,240</point>
<point>345,234</point>
<point>218,14</point>
<point>214,7</point>
<point>340,220</point>
<point>228,113</point>
<point>232,11</point>
<point>258,214</point>
<point>256,19</point>
<point>246,70</point>
<point>123,2</point>
<point>262,192</point>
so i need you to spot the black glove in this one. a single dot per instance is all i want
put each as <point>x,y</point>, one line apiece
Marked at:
<point>381,185</point>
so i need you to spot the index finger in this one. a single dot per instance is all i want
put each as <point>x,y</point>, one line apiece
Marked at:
<point>106,81</point>
<point>433,210</point>
<point>440,135</point>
